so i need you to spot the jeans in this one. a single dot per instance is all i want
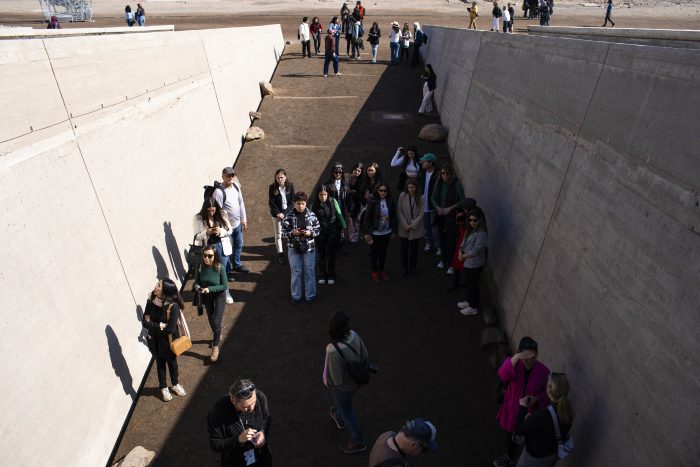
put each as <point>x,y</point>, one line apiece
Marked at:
<point>327,245</point>
<point>237,240</point>
<point>374,52</point>
<point>215,303</point>
<point>471,275</point>
<point>380,243</point>
<point>327,59</point>
<point>141,20</point>
<point>355,49</point>
<point>431,237</point>
<point>224,260</point>
<point>394,47</point>
<point>409,253</point>
<point>172,368</point>
<point>303,267</point>
<point>317,42</point>
<point>404,53</point>
<point>343,408</point>
<point>305,48</point>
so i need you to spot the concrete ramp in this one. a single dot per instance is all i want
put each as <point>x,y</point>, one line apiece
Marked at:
<point>584,156</point>
<point>105,143</point>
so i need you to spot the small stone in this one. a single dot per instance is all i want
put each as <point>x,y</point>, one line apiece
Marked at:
<point>288,42</point>
<point>266,89</point>
<point>433,132</point>
<point>138,457</point>
<point>254,133</point>
<point>255,115</point>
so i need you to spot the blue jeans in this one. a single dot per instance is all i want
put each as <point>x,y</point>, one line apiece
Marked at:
<point>394,52</point>
<point>222,259</point>
<point>303,267</point>
<point>237,241</point>
<point>327,60</point>
<point>431,237</point>
<point>342,401</point>
<point>141,20</point>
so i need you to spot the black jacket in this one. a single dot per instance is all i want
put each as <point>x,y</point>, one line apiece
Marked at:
<point>371,218</point>
<point>275,199</point>
<point>433,178</point>
<point>326,215</point>
<point>340,196</point>
<point>159,340</point>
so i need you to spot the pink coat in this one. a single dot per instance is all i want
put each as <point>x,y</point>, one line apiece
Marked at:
<point>515,378</point>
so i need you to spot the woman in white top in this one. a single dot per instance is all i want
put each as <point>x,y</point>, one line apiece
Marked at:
<point>212,227</point>
<point>406,37</point>
<point>408,158</point>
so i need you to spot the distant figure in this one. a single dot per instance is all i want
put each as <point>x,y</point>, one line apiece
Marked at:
<point>406,37</point>
<point>544,13</point>
<point>316,29</point>
<point>506,21</point>
<point>496,14</point>
<point>394,40</point>
<point>511,10</point>
<point>304,35</point>
<point>608,11</point>
<point>429,85</point>
<point>373,38</point>
<point>419,38</point>
<point>140,15</point>
<point>359,11</point>
<point>54,24</point>
<point>331,54</point>
<point>473,15</point>
<point>129,16</point>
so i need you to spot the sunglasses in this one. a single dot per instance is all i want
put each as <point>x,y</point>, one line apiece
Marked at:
<point>474,220</point>
<point>245,392</point>
<point>382,191</point>
<point>337,171</point>
<point>209,256</point>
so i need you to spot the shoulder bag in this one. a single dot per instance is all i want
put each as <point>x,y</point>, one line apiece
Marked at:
<point>564,448</point>
<point>183,343</point>
<point>358,370</point>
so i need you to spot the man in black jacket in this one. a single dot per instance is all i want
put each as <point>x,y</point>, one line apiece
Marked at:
<point>428,176</point>
<point>239,427</point>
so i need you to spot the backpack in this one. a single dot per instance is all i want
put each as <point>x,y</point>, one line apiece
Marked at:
<point>361,31</point>
<point>499,13</point>
<point>358,370</point>
<point>210,189</point>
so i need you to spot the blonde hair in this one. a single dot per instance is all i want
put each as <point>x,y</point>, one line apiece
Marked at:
<point>560,393</point>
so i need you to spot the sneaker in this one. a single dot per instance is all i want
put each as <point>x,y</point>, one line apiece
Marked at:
<point>384,275</point>
<point>427,247</point>
<point>241,268</point>
<point>464,304</point>
<point>296,301</point>
<point>338,421</point>
<point>450,270</point>
<point>325,76</point>
<point>165,392</point>
<point>338,74</point>
<point>376,277</point>
<point>441,265</point>
<point>281,259</point>
<point>352,448</point>
<point>179,390</point>
<point>214,354</point>
<point>331,281</point>
<point>504,461</point>
<point>438,252</point>
<point>229,299</point>
<point>322,281</point>
<point>468,311</point>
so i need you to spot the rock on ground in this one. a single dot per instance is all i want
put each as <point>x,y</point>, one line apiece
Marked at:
<point>255,115</point>
<point>266,89</point>
<point>138,457</point>
<point>433,132</point>
<point>254,133</point>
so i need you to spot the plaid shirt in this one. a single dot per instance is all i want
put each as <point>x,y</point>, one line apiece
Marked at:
<point>290,223</point>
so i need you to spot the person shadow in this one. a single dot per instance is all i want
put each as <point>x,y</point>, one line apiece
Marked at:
<point>174,252</point>
<point>161,267</point>
<point>121,368</point>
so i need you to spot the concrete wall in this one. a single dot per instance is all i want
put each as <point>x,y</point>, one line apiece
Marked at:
<point>677,38</point>
<point>584,156</point>
<point>29,33</point>
<point>105,143</point>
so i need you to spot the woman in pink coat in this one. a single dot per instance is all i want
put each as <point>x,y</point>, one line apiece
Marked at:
<point>522,375</point>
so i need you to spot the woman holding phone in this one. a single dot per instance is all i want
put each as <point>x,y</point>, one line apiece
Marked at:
<point>210,280</point>
<point>212,227</point>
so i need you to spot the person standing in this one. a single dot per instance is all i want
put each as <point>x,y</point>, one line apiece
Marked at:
<point>496,14</point>
<point>410,223</point>
<point>448,192</point>
<point>506,20</point>
<point>379,225</point>
<point>473,15</point>
<point>429,85</point>
<point>472,252</point>
<point>608,12</point>
<point>239,426</point>
<point>129,16</point>
<point>331,54</point>
<point>54,24</point>
<point>354,202</point>
<point>331,222</point>
<point>511,11</point>
<point>359,11</point>
<point>338,189</point>
<point>406,37</point>
<point>212,227</point>
<point>344,18</point>
<point>140,15</point>
<point>231,200</point>
<point>415,437</point>
<point>345,346</point>
<point>427,178</point>
<point>524,376</point>
<point>280,200</point>
<point>544,13</point>
<point>210,280</point>
<point>334,28</point>
<point>357,32</point>
<point>373,38</point>
<point>407,158</point>
<point>300,226</point>
<point>419,38</point>
<point>316,30</point>
<point>304,35</point>
<point>160,318</point>
<point>394,39</point>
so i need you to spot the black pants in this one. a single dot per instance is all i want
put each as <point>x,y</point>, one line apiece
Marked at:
<point>448,237</point>
<point>511,447</point>
<point>608,18</point>
<point>305,48</point>
<point>326,248</point>
<point>403,54</point>
<point>317,42</point>
<point>415,60</point>
<point>171,361</point>
<point>409,253</point>
<point>380,243</point>
<point>215,303</point>
<point>348,42</point>
<point>471,276</point>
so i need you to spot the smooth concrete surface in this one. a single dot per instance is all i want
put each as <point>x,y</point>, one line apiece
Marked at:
<point>585,157</point>
<point>677,38</point>
<point>105,143</point>
<point>29,33</point>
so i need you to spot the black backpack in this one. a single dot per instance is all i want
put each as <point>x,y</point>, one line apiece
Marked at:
<point>217,185</point>
<point>358,370</point>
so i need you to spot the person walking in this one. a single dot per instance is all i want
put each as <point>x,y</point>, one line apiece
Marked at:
<point>410,225</point>
<point>280,200</point>
<point>211,226</point>
<point>331,222</point>
<point>211,282</point>
<point>394,39</point>
<point>129,16</point>
<point>345,346</point>
<point>415,437</point>
<point>316,29</point>
<point>406,37</point>
<point>429,85</point>
<point>472,252</point>
<point>544,429</point>
<point>300,227</point>
<point>373,38</point>
<point>523,376</point>
<point>239,426</point>
<point>331,54</point>
<point>419,38</point>
<point>496,14</point>
<point>379,225</point>
<point>304,35</point>
<point>447,193</point>
<point>473,15</point>
<point>160,318</point>
<point>608,12</point>
<point>140,15</point>
<point>230,198</point>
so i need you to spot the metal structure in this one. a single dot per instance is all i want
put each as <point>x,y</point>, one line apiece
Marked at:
<point>67,10</point>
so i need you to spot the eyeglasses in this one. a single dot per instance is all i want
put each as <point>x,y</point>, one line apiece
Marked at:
<point>474,220</point>
<point>209,256</point>
<point>245,392</point>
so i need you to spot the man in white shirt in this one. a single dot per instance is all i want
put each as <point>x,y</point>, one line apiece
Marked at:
<point>231,201</point>
<point>304,36</point>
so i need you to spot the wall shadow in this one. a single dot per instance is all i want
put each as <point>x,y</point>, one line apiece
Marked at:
<point>121,368</point>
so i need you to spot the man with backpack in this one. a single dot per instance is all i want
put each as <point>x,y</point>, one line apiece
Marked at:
<point>230,199</point>
<point>357,32</point>
<point>496,17</point>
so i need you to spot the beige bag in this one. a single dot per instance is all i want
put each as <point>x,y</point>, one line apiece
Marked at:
<point>183,343</point>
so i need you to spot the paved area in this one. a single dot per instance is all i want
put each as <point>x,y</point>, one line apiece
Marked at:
<point>430,357</point>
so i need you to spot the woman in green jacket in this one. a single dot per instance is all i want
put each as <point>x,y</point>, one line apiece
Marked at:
<point>211,281</point>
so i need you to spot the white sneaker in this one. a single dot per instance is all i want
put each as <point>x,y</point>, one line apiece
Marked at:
<point>438,252</point>
<point>468,311</point>
<point>179,390</point>
<point>464,304</point>
<point>165,392</point>
<point>331,281</point>
<point>229,299</point>
<point>450,270</point>
<point>427,247</point>
<point>338,74</point>
<point>441,265</point>
<point>322,281</point>
<point>325,76</point>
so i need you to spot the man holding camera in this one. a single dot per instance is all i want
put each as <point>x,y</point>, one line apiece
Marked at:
<point>239,426</point>
<point>300,226</point>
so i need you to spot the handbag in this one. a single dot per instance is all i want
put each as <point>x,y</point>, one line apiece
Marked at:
<point>357,369</point>
<point>564,448</point>
<point>183,343</point>
<point>194,255</point>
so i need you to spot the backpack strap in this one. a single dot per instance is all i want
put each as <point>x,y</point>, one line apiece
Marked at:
<point>555,420</point>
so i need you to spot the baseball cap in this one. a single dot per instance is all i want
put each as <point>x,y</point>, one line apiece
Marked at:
<point>228,171</point>
<point>428,157</point>
<point>423,431</point>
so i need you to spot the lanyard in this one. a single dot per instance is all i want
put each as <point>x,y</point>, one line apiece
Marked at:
<point>396,445</point>
<point>412,204</point>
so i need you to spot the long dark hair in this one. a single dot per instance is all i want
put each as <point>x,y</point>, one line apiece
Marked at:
<point>287,182</point>
<point>171,294</point>
<point>338,326</point>
<point>204,213</point>
<point>477,212</point>
<point>371,183</point>
<point>217,263</point>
